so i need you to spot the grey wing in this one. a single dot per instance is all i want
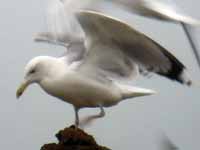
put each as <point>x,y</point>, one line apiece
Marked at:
<point>165,11</point>
<point>115,47</point>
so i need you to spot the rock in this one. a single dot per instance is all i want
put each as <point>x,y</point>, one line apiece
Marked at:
<point>73,139</point>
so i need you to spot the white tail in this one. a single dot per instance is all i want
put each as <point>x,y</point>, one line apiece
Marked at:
<point>130,91</point>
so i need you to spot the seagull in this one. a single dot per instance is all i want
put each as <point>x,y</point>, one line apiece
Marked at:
<point>91,72</point>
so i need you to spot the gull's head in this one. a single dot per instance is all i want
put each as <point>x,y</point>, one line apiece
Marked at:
<point>35,71</point>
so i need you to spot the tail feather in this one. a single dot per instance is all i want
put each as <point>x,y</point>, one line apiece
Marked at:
<point>130,91</point>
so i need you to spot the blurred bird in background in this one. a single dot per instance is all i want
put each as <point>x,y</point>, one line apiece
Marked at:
<point>165,143</point>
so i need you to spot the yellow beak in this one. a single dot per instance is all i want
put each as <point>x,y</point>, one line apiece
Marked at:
<point>21,89</point>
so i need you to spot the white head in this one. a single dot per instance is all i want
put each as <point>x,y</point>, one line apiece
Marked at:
<point>36,71</point>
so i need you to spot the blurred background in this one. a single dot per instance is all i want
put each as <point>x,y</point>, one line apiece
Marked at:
<point>30,122</point>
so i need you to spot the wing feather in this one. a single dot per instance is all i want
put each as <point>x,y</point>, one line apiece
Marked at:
<point>109,38</point>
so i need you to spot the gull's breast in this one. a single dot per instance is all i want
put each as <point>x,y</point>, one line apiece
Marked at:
<point>82,91</point>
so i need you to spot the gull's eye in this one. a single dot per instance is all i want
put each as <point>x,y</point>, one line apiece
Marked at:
<point>32,71</point>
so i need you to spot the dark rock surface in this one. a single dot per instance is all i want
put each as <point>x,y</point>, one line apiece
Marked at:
<point>73,139</point>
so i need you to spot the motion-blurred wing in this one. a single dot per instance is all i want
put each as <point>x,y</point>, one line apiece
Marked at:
<point>116,47</point>
<point>158,10</point>
<point>64,30</point>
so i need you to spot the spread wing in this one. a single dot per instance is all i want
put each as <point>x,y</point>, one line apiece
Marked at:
<point>115,47</point>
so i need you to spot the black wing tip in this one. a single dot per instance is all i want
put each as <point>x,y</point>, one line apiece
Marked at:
<point>178,71</point>
<point>179,74</point>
